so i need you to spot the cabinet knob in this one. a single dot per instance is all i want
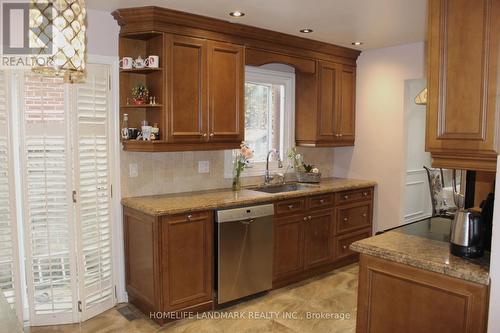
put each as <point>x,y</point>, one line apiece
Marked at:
<point>189,217</point>
<point>346,197</point>
<point>365,193</point>
<point>346,219</point>
<point>212,134</point>
<point>204,135</point>
<point>340,135</point>
<point>322,201</point>
<point>290,206</point>
<point>365,215</point>
<point>344,247</point>
<point>305,218</point>
<point>310,217</point>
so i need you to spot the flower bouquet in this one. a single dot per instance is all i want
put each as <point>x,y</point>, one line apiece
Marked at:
<point>242,158</point>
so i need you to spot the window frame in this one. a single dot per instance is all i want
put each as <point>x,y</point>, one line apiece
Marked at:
<point>287,120</point>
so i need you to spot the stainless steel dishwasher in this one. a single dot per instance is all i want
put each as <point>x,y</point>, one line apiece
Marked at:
<point>244,251</point>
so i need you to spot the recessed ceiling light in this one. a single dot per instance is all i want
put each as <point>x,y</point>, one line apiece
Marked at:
<point>306,31</point>
<point>237,13</point>
<point>357,43</point>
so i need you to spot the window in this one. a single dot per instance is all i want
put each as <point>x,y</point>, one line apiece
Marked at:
<point>269,117</point>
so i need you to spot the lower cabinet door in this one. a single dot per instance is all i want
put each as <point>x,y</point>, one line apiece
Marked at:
<point>288,240</point>
<point>186,256</point>
<point>318,240</point>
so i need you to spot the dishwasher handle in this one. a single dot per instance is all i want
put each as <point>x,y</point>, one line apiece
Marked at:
<point>249,221</point>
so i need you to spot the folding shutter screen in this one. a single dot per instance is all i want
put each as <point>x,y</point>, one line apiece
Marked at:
<point>9,263</point>
<point>48,206</point>
<point>92,177</point>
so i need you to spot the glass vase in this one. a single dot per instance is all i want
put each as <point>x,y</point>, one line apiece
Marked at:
<point>236,186</point>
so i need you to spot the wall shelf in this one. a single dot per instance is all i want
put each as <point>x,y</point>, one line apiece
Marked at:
<point>141,70</point>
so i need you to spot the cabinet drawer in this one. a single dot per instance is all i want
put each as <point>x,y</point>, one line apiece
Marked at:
<point>288,207</point>
<point>353,217</point>
<point>321,201</point>
<point>353,196</point>
<point>342,243</point>
<point>184,217</point>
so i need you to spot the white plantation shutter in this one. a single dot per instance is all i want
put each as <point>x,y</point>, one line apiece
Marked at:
<point>9,263</point>
<point>48,206</point>
<point>92,177</point>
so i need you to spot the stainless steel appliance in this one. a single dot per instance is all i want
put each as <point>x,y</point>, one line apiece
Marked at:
<point>244,238</point>
<point>467,234</point>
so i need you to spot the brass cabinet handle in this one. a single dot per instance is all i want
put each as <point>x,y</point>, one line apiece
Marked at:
<point>346,197</point>
<point>212,134</point>
<point>364,214</point>
<point>365,193</point>
<point>189,217</point>
<point>344,247</point>
<point>305,218</point>
<point>340,135</point>
<point>290,206</point>
<point>322,201</point>
<point>204,135</point>
<point>346,219</point>
<point>310,217</point>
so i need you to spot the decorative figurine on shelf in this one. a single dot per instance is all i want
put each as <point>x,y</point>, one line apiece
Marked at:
<point>140,94</point>
<point>241,160</point>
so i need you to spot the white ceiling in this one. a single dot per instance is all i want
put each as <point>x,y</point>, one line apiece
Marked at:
<point>378,23</point>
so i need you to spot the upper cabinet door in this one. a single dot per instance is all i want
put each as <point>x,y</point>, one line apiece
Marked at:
<point>328,101</point>
<point>226,116</point>
<point>462,121</point>
<point>347,110</point>
<point>187,75</point>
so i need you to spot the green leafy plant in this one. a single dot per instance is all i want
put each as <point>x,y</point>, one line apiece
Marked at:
<point>140,91</point>
<point>307,167</point>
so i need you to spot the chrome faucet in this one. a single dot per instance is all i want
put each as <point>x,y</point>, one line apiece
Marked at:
<point>267,176</point>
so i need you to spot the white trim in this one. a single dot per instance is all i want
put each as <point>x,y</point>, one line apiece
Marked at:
<point>115,150</point>
<point>287,135</point>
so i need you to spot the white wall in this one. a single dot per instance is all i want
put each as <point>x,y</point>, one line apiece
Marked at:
<point>494,319</point>
<point>102,33</point>
<point>380,150</point>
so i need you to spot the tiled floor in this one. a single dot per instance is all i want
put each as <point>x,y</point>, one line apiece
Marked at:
<point>332,294</point>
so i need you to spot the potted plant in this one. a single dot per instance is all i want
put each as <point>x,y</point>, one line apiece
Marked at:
<point>140,94</point>
<point>306,173</point>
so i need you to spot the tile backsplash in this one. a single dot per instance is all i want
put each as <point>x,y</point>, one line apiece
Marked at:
<point>162,173</point>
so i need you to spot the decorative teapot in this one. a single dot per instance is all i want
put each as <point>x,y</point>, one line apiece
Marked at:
<point>139,62</point>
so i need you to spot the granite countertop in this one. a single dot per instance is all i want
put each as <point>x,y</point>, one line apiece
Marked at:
<point>215,199</point>
<point>425,244</point>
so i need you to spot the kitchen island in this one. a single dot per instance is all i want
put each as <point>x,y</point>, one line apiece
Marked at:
<point>410,282</point>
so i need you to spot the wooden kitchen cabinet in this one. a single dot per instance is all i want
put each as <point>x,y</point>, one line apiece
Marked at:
<point>226,115</point>
<point>394,297</point>
<point>169,261</point>
<point>200,82</point>
<point>187,238</point>
<point>206,88</point>
<point>318,238</point>
<point>325,115</point>
<point>288,246</point>
<point>463,84</point>
<point>188,93</point>
<point>310,238</point>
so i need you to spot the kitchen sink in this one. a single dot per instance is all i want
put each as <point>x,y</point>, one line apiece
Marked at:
<point>282,188</point>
